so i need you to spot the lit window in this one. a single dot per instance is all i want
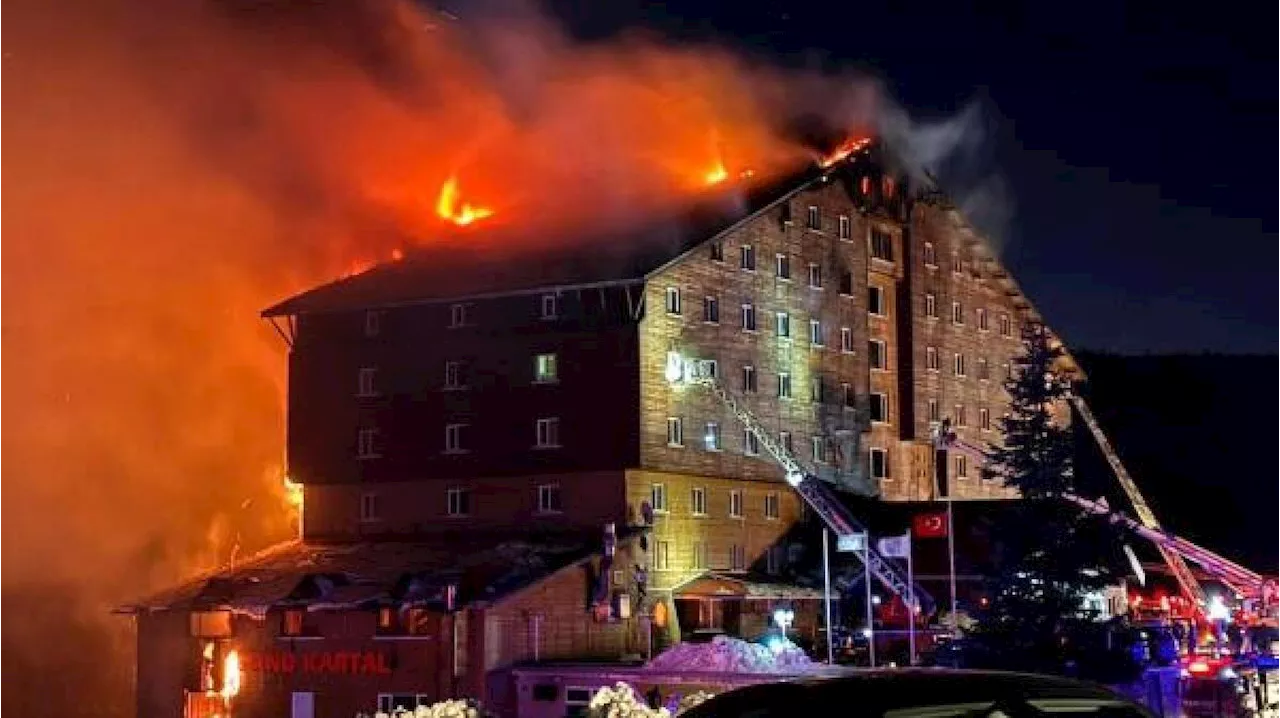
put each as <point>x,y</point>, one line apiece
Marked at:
<point>658,497</point>
<point>864,186</point>
<point>984,419</point>
<point>879,459</point>
<point>673,300</point>
<point>367,444</point>
<point>879,408</point>
<point>815,217</point>
<point>712,437</point>
<point>961,416</point>
<point>771,504</point>
<point>784,438</point>
<point>748,379</point>
<point>815,276</point>
<point>737,558</point>
<point>846,283</point>
<point>698,501</point>
<point>931,306</point>
<point>962,466</point>
<point>875,300</point>
<point>365,382</point>
<point>545,369</point>
<point>549,499</point>
<point>782,265</point>
<point>675,431</point>
<point>550,306</point>
<point>934,413</point>
<point>959,369</point>
<point>372,323</point>
<point>982,320</point>
<point>878,354</point>
<point>931,358</point>
<point>957,313</point>
<point>458,315</point>
<point>293,622</point>
<point>459,501</point>
<point>369,508</point>
<point>784,385</point>
<point>930,255</point>
<point>749,317</point>
<point>815,333</point>
<point>846,228</point>
<point>711,310</point>
<point>547,433</point>
<point>846,340</point>
<point>818,449</point>
<point>1006,325</point>
<point>735,504</point>
<point>453,375</point>
<point>747,258</point>
<point>888,187</point>
<point>453,438</point>
<point>783,325</point>
<point>717,251</point>
<point>750,443</point>
<point>881,245</point>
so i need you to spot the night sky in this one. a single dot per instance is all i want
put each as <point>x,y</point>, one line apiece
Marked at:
<point>1139,141</point>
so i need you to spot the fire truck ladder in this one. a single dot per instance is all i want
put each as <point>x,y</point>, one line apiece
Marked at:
<point>814,491</point>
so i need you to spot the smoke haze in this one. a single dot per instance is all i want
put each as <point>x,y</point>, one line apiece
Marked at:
<point>175,167</point>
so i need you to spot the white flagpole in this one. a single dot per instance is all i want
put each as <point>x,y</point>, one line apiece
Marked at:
<point>826,579</point>
<point>871,626</point>
<point>911,605</point>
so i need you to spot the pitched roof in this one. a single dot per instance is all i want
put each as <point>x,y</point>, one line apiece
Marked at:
<point>505,260</point>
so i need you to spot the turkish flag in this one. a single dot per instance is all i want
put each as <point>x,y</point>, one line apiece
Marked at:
<point>932,525</point>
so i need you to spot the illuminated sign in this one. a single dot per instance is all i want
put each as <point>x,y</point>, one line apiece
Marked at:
<point>355,663</point>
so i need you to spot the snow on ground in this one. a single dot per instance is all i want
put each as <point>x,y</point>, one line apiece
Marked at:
<point>731,655</point>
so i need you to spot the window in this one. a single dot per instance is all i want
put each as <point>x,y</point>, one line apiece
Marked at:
<point>453,375</point>
<point>550,306</point>
<point>817,390</point>
<point>673,300</point>
<point>881,245</point>
<point>735,504</point>
<point>369,508</point>
<point>453,438</point>
<point>934,414</point>
<point>931,305</point>
<point>815,217</point>
<point>709,368</point>
<point>712,437</point>
<point>961,417</point>
<point>847,397</point>
<point>982,320</point>
<point>930,255</point>
<point>547,433</point>
<point>748,379</point>
<point>459,501</point>
<point>1006,325</point>
<point>815,276</point>
<point>771,505</point>
<point>773,560</point>
<point>711,310</point>
<point>372,323</point>
<point>958,369</point>
<point>1007,371</point>
<point>785,213</point>
<point>748,258</point>
<point>815,333</point>
<point>984,419</point>
<point>717,251</point>
<point>662,555</point>
<point>962,467</point>
<point>458,315</point>
<point>783,325</point>
<point>846,283</point>
<point>957,313</point>
<point>698,501</point>
<point>365,382</point>
<point>818,449</point>
<point>846,340</point>
<point>750,443</point>
<point>367,444</point>
<point>699,554</point>
<point>737,558</point>
<point>875,300</point>
<point>545,369</point>
<point>877,354</point>
<point>210,624</point>
<point>294,623</point>
<point>658,497</point>
<point>931,358</point>
<point>879,408</point>
<point>549,499</point>
<point>984,370</point>
<point>675,431</point>
<point>784,438</point>
<point>888,185</point>
<point>782,265</point>
<point>957,266</point>
<point>749,317</point>
<point>784,385</point>
<point>846,229</point>
<point>864,186</point>
<point>879,463</point>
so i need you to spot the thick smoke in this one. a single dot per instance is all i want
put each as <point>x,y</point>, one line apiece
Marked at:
<point>174,167</point>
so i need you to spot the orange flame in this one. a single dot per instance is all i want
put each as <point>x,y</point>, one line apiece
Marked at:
<point>716,174</point>
<point>231,675</point>
<point>846,148</point>
<point>448,208</point>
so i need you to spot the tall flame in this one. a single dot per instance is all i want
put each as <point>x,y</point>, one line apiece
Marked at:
<point>231,675</point>
<point>846,148</point>
<point>448,208</point>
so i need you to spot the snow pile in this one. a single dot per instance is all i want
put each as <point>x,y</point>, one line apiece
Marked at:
<point>443,709</point>
<point>731,655</point>
<point>621,702</point>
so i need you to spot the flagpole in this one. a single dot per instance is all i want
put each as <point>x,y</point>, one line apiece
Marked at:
<point>951,558</point>
<point>826,580</point>
<point>911,606</point>
<point>871,626</point>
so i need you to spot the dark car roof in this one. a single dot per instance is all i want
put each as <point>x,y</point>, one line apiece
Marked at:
<point>873,692</point>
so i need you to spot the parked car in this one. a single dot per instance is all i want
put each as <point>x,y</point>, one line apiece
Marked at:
<point>923,693</point>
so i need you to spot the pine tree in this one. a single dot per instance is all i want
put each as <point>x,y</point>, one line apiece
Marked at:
<point>1051,554</point>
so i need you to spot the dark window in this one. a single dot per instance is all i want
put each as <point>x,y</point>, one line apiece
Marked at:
<point>748,380</point>
<point>717,251</point>
<point>875,300</point>
<point>879,408</point>
<point>881,245</point>
<point>546,692</point>
<point>783,266</point>
<point>876,354</point>
<point>748,258</point>
<point>879,464</point>
<point>749,317</point>
<point>711,310</point>
<point>815,217</point>
<point>846,283</point>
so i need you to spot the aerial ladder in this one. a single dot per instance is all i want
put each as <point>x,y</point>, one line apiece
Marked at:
<point>816,493</point>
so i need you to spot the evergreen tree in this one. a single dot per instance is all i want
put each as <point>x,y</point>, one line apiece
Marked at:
<point>1051,553</point>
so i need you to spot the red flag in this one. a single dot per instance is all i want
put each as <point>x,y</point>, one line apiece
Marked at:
<point>933,525</point>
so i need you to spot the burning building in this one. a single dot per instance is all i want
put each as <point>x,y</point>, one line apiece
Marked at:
<point>495,469</point>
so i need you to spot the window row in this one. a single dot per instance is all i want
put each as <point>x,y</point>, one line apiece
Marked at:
<point>546,370</point>
<point>546,435</point>
<point>459,502</point>
<point>930,255</point>
<point>548,308</point>
<point>960,365</point>
<point>698,502</point>
<point>959,415</point>
<point>782,324</point>
<point>958,316</point>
